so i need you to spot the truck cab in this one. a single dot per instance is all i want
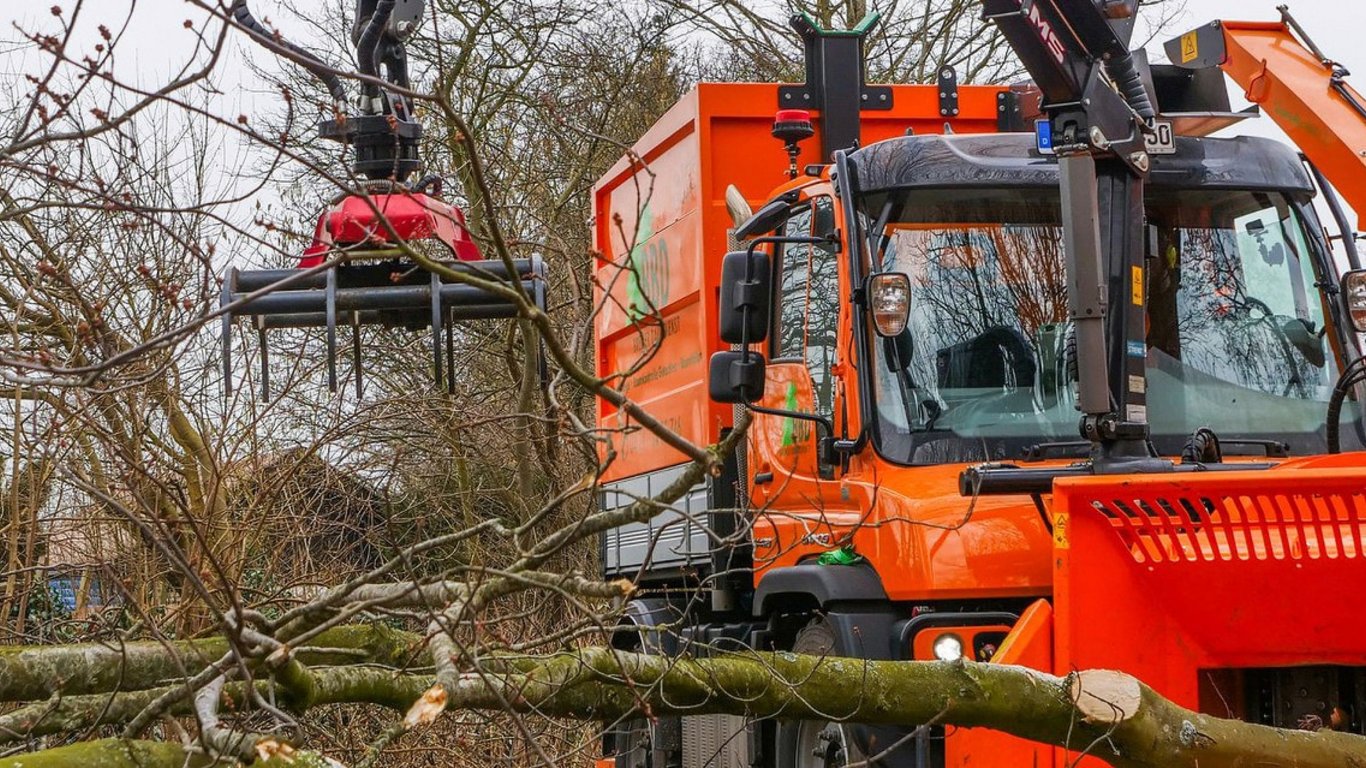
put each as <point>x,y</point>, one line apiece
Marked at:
<point>982,368</point>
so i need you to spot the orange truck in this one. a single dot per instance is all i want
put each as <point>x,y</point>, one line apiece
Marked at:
<point>897,314</point>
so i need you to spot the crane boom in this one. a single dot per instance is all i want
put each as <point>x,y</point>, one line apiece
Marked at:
<point>1303,91</point>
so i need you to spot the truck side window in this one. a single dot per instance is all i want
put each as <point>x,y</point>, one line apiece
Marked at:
<point>808,300</point>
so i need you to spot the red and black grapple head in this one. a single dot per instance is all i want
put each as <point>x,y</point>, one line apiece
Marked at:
<point>388,252</point>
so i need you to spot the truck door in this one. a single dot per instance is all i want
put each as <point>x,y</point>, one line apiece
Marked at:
<point>788,479</point>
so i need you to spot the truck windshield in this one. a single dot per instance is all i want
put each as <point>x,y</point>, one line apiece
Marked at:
<point>1235,330</point>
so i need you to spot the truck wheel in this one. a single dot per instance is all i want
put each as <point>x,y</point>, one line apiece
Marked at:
<point>632,742</point>
<point>814,743</point>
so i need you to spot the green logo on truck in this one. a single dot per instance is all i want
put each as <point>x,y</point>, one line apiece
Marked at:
<point>647,281</point>
<point>793,432</point>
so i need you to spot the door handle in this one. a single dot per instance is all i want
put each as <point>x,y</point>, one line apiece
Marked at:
<point>763,478</point>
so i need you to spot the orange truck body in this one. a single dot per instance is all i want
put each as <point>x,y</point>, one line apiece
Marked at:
<point>1127,574</point>
<point>662,211</point>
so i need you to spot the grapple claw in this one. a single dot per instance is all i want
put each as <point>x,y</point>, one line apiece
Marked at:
<point>384,294</point>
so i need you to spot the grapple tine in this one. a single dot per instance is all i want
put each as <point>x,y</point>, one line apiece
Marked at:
<point>356,364</point>
<point>229,282</point>
<point>265,358</point>
<point>332,330</point>
<point>364,294</point>
<point>450,353</point>
<point>536,271</point>
<point>436,328</point>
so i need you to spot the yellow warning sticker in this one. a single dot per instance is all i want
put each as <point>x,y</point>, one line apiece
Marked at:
<point>1060,531</point>
<point>1190,47</point>
<point>1137,288</point>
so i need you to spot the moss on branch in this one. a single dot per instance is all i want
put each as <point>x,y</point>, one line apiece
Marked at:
<point>1121,720</point>
<point>111,753</point>
<point>31,673</point>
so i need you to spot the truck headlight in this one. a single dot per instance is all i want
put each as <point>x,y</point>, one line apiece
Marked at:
<point>889,296</point>
<point>1354,293</point>
<point>948,647</point>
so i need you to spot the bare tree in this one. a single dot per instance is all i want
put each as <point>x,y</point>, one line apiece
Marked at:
<point>262,578</point>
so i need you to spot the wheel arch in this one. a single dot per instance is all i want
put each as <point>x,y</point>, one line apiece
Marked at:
<point>850,597</point>
<point>822,585</point>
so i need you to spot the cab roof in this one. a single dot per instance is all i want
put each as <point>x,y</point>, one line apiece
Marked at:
<point>1011,160</point>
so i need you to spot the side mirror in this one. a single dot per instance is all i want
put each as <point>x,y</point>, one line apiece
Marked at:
<point>736,377</point>
<point>746,295</point>
<point>889,298</point>
<point>823,218</point>
<point>1354,294</point>
<point>764,220</point>
<point>737,206</point>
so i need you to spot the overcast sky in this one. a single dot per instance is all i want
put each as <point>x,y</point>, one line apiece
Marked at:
<point>157,39</point>
<point>157,42</point>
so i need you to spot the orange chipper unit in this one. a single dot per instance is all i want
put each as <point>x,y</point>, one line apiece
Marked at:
<point>925,292</point>
<point>1301,89</point>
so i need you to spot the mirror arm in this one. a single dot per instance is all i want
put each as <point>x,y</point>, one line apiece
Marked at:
<point>821,421</point>
<point>828,447</point>
<point>749,263</point>
<point>838,450</point>
<point>792,240</point>
<point>883,239</point>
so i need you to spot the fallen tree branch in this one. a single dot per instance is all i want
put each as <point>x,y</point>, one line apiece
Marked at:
<point>1124,722</point>
<point>327,685</point>
<point>125,753</point>
<point>33,673</point>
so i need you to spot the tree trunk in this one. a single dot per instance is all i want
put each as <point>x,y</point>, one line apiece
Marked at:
<point>1110,714</point>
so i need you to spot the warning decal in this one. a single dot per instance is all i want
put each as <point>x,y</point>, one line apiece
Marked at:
<point>1190,47</point>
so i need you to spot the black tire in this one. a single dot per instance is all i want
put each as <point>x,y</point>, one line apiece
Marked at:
<point>815,743</point>
<point>632,742</point>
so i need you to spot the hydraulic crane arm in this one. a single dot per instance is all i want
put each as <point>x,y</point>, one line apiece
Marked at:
<point>1077,52</point>
<point>1302,90</point>
<point>1098,113</point>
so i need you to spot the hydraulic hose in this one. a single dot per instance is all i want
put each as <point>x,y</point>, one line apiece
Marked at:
<point>1352,376</point>
<point>1125,73</point>
<point>367,47</point>
<point>1202,448</point>
<point>242,15</point>
<point>426,182</point>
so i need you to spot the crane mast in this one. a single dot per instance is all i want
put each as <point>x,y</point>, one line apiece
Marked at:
<point>1097,115</point>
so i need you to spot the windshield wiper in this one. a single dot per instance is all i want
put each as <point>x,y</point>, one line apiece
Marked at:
<point>1040,451</point>
<point>1273,449</point>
